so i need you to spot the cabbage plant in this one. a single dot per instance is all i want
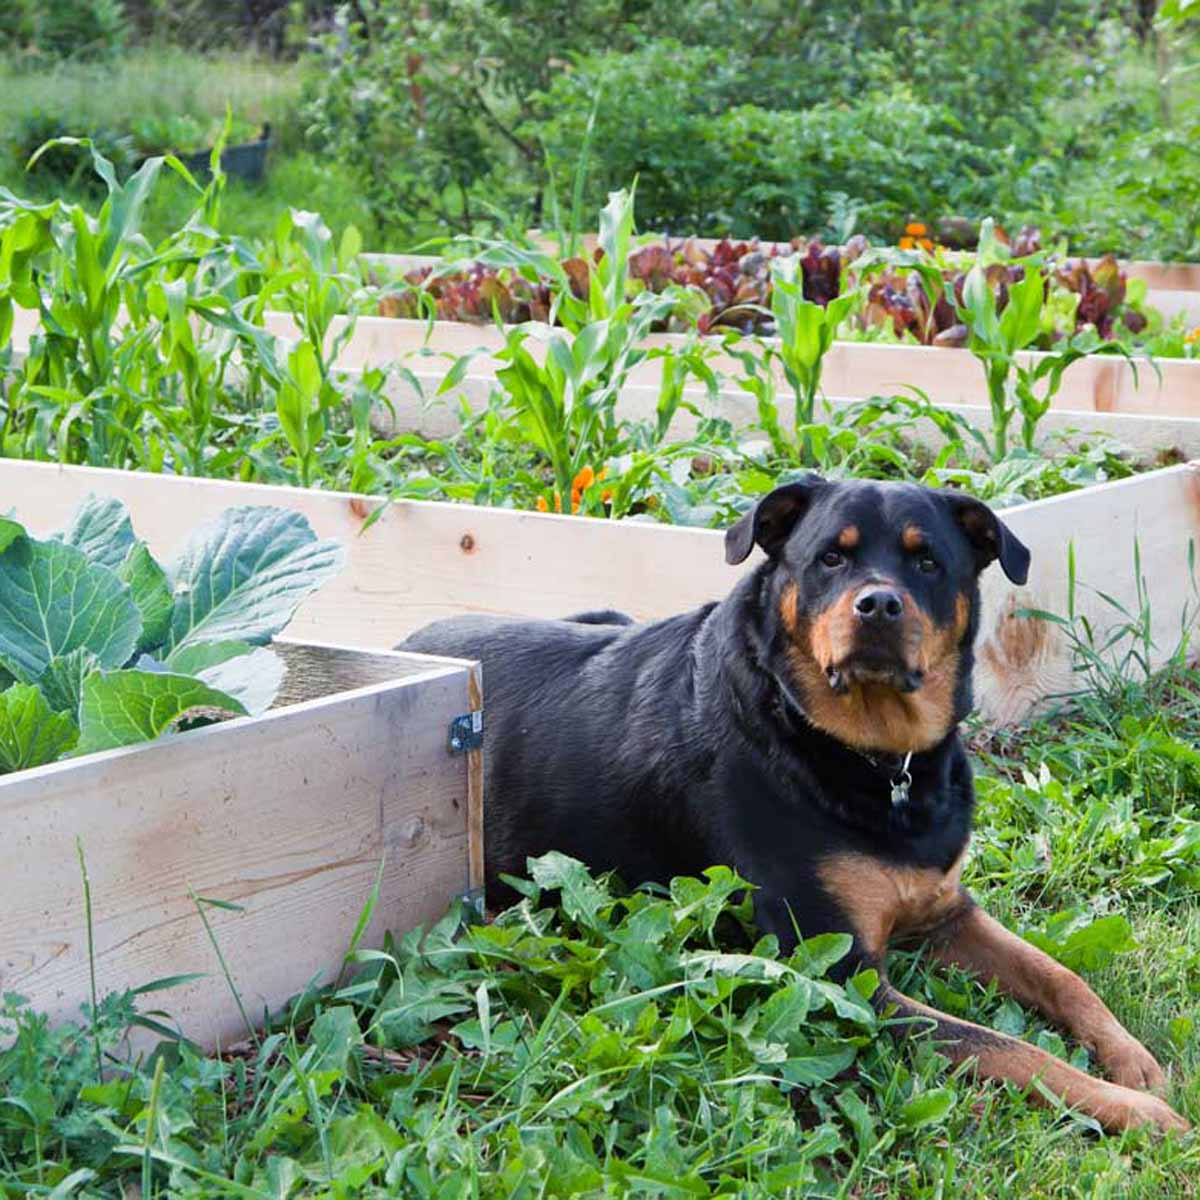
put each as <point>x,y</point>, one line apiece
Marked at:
<point>101,646</point>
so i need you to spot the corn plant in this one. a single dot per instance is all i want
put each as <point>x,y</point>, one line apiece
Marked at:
<point>564,402</point>
<point>156,357</point>
<point>316,282</point>
<point>998,337</point>
<point>804,332</point>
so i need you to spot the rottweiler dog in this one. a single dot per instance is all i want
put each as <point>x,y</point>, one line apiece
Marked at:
<point>803,731</point>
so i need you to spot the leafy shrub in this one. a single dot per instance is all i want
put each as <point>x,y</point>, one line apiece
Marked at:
<point>80,28</point>
<point>991,63</point>
<point>771,119</point>
<point>428,101</point>
<point>16,24</point>
<point>105,648</point>
<point>703,168</point>
<point>146,102</point>
<point>63,163</point>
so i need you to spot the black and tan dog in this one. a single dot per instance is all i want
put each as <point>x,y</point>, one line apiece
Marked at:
<point>804,732</point>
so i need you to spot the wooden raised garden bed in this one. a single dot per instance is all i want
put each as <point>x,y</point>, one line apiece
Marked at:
<point>1098,384</point>
<point>1151,407</point>
<point>1171,288</point>
<point>289,817</point>
<point>423,560</point>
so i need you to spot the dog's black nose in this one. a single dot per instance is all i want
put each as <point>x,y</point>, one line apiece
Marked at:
<point>877,605</point>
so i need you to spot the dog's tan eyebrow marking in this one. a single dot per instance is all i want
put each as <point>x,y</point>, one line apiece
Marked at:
<point>848,538</point>
<point>913,538</point>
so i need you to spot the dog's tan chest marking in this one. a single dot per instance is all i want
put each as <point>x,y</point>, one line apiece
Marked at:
<point>884,902</point>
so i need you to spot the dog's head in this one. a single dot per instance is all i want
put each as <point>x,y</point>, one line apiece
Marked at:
<point>874,602</point>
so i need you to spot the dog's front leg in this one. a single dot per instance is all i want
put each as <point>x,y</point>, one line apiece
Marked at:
<point>981,945</point>
<point>793,918</point>
<point>998,1056</point>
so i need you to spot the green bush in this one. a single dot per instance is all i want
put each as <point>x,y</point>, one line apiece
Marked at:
<point>992,63</point>
<point>772,118</point>
<point>60,165</point>
<point>80,28</point>
<point>16,24</point>
<point>147,101</point>
<point>706,168</point>
<point>433,105</point>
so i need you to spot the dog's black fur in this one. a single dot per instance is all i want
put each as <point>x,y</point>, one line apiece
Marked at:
<point>766,732</point>
<point>661,749</point>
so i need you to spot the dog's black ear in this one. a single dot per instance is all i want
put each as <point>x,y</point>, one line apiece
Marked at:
<point>989,536</point>
<point>771,521</point>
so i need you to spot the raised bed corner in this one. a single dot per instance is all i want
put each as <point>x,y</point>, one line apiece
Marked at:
<point>286,820</point>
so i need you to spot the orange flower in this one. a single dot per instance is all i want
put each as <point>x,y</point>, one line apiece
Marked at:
<point>925,243</point>
<point>576,496</point>
<point>606,496</point>
<point>557,502</point>
<point>1193,337</point>
<point>583,480</point>
<point>542,506</point>
<point>907,243</point>
<point>916,228</point>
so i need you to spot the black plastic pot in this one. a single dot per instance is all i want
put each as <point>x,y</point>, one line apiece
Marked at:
<point>247,161</point>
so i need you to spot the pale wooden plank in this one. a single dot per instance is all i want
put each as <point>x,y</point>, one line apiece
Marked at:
<point>1175,302</point>
<point>439,416</point>
<point>288,815</point>
<point>425,560</point>
<point>1022,661</point>
<point>475,842</point>
<point>1168,276</point>
<point>1101,384</point>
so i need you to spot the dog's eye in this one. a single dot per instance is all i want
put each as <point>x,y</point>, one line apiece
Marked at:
<point>832,558</point>
<point>927,565</point>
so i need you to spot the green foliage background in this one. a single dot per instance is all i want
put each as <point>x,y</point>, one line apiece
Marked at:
<point>414,119</point>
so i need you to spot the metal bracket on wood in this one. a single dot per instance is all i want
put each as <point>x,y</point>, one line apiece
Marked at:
<point>474,911</point>
<point>466,732</point>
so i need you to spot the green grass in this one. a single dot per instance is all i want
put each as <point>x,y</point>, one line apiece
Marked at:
<point>589,1042</point>
<point>168,82</point>
<point>165,79</point>
<point>295,179</point>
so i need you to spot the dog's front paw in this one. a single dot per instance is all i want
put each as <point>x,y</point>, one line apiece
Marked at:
<point>1133,1110</point>
<point>1127,1062</point>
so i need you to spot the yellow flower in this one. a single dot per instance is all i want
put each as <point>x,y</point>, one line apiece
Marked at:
<point>1193,337</point>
